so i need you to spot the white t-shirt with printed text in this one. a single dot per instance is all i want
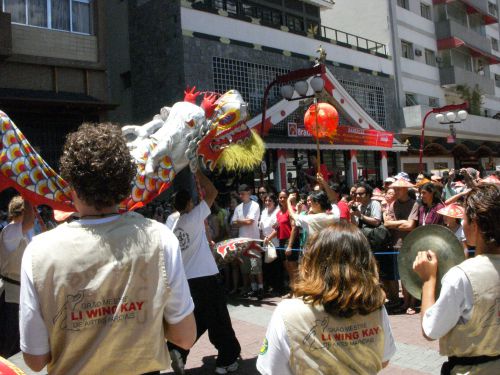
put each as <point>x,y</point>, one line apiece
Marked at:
<point>189,228</point>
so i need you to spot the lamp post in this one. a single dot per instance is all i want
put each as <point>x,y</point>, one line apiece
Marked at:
<point>451,116</point>
<point>296,75</point>
<point>302,87</point>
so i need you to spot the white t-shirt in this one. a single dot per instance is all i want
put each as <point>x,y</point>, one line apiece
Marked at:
<point>275,361</point>
<point>189,228</point>
<point>267,222</point>
<point>454,305</point>
<point>171,219</point>
<point>12,235</point>
<point>313,223</point>
<point>250,210</point>
<point>34,333</point>
<point>459,233</point>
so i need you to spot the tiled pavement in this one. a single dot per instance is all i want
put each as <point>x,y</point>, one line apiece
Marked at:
<point>415,355</point>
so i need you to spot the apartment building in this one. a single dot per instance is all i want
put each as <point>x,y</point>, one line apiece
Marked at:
<point>52,68</point>
<point>219,45</point>
<point>445,52</point>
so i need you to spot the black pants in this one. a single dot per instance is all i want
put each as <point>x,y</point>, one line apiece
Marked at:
<point>210,313</point>
<point>9,328</point>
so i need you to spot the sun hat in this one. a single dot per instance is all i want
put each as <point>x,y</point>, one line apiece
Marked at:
<point>402,183</point>
<point>402,175</point>
<point>452,210</point>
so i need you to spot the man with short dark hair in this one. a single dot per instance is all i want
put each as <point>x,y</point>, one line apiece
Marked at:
<point>210,310</point>
<point>401,218</point>
<point>101,294</point>
<point>367,212</point>
<point>246,219</point>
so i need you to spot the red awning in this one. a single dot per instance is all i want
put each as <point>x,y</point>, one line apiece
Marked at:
<point>455,42</point>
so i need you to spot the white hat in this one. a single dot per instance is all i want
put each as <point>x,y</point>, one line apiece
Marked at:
<point>390,180</point>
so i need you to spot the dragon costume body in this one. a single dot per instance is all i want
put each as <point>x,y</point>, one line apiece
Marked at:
<point>211,136</point>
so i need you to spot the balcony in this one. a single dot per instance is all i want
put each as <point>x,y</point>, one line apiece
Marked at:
<point>474,128</point>
<point>481,7</point>
<point>5,35</point>
<point>453,75</point>
<point>273,17</point>
<point>451,29</point>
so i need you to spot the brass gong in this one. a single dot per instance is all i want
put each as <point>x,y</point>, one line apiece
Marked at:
<point>437,238</point>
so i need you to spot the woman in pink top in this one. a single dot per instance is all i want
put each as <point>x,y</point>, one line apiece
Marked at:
<point>431,204</point>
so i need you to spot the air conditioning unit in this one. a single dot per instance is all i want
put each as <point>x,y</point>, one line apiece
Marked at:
<point>418,52</point>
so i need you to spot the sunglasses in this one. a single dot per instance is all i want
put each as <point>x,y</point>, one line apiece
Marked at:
<point>360,194</point>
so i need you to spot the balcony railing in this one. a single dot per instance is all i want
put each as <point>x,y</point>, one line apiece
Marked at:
<point>341,37</point>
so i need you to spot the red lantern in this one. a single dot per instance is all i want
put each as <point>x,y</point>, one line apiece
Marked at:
<point>327,120</point>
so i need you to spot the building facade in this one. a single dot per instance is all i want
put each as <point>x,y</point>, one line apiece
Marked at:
<point>448,53</point>
<point>217,45</point>
<point>52,68</point>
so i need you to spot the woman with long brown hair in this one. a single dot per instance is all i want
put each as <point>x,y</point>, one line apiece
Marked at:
<point>336,323</point>
<point>431,204</point>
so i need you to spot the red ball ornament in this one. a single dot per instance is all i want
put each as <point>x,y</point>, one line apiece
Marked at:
<point>327,120</point>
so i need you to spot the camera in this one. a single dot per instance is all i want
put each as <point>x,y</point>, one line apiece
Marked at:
<point>354,208</point>
<point>299,163</point>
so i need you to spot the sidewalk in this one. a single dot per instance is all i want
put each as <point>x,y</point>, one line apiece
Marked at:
<point>415,355</point>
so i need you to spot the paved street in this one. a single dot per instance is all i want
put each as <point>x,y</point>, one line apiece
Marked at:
<point>415,355</point>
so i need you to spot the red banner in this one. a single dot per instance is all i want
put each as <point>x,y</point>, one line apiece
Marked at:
<point>349,135</point>
<point>365,137</point>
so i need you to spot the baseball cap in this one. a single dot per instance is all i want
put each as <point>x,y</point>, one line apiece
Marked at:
<point>243,187</point>
<point>390,180</point>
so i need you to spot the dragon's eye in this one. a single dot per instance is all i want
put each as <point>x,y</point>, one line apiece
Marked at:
<point>190,123</point>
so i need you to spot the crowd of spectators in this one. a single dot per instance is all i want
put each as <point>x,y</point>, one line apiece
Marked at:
<point>287,218</point>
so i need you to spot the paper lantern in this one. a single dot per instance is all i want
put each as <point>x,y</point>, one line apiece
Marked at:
<point>327,120</point>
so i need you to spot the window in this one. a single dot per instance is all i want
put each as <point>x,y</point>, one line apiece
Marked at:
<point>403,4</point>
<point>497,80</point>
<point>411,99</point>
<point>492,9</point>
<point>67,15</point>
<point>227,5</point>
<point>248,78</point>
<point>407,49</point>
<point>494,44</point>
<point>433,102</point>
<point>430,57</point>
<point>370,97</point>
<point>425,11</point>
<point>294,23</point>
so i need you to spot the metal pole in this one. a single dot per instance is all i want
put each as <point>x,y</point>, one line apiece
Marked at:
<point>317,135</point>
<point>421,150</point>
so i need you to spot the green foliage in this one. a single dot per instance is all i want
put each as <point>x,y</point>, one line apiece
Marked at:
<point>473,97</point>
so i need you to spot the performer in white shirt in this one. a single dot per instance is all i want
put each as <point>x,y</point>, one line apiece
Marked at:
<point>14,239</point>
<point>210,309</point>
<point>465,317</point>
